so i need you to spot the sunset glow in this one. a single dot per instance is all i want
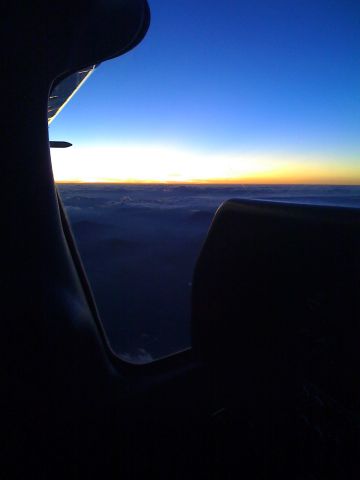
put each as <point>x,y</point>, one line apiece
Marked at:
<point>156,164</point>
<point>270,98</point>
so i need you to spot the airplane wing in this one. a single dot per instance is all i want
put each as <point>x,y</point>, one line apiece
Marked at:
<point>63,91</point>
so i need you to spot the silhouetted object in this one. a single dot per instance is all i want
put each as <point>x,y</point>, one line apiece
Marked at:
<point>58,144</point>
<point>63,89</point>
<point>69,407</point>
<point>276,290</point>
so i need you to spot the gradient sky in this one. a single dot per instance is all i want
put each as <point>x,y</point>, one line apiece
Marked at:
<point>230,91</point>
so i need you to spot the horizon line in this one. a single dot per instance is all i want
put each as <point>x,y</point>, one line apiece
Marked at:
<point>202,183</point>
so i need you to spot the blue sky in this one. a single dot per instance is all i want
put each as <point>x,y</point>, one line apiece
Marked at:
<point>262,77</point>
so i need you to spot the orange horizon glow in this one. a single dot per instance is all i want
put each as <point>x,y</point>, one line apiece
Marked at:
<point>151,165</point>
<point>210,183</point>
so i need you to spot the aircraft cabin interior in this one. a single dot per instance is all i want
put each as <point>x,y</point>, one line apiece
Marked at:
<point>258,395</point>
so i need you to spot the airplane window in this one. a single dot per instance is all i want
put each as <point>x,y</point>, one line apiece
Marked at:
<point>267,108</point>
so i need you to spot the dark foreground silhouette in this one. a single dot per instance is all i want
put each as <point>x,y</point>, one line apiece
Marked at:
<point>269,389</point>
